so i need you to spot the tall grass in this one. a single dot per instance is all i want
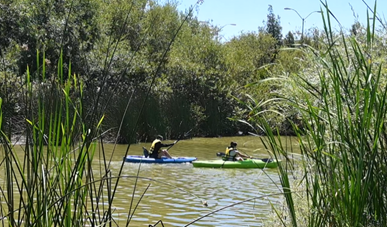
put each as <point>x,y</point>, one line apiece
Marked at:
<point>51,181</point>
<point>343,136</point>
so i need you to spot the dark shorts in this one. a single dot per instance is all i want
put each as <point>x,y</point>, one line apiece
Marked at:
<point>154,155</point>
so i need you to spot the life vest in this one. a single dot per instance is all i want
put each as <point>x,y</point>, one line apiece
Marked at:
<point>153,146</point>
<point>230,154</point>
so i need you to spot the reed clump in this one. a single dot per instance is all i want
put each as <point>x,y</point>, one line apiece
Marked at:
<point>341,135</point>
<point>49,180</point>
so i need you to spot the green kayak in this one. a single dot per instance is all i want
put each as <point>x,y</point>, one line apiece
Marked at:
<point>248,163</point>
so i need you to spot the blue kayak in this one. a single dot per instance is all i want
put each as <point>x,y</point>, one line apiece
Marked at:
<point>163,160</point>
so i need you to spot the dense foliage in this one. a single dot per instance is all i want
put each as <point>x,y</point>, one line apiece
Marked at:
<point>148,68</point>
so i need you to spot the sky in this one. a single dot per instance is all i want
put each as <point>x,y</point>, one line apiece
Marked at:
<point>237,16</point>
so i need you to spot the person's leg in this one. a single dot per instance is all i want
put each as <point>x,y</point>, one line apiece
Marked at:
<point>239,158</point>
<point>165,153</point>
<point>153,155</point>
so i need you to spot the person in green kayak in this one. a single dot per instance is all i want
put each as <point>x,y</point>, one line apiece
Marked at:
<point>155,149</point>
<point>232,154</point>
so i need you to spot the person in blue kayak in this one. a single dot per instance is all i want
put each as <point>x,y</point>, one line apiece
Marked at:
<point>155,149</point>
<point>232,153</point>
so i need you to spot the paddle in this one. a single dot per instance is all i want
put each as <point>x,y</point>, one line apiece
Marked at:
<point>268,160</point>
<point>178,139</point>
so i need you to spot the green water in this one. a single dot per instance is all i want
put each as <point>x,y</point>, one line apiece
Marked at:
<point>177,191</point>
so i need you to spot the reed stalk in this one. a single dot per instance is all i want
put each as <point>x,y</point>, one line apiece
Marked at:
<point>341,135</point>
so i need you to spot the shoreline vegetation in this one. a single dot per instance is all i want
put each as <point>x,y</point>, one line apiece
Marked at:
<point>73,71</point>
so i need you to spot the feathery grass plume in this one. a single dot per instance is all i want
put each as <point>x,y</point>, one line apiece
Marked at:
<point>341,134</point>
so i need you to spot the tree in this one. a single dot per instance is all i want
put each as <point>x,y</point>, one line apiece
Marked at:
<point>9,24</point>
<point>247,54</point>
<point>273,25</point>
<point>198,77</point>
<point>289,39</point>
<point>67,28</point>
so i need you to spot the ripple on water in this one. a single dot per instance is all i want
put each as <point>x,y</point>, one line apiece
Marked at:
<point>177,194</point>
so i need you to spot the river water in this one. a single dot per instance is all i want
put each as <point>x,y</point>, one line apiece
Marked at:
<point>177,192</point>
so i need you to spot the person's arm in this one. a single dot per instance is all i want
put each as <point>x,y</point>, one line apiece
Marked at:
<point>243,155</point>
<point>167,145</point>
<point>248,156</point>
